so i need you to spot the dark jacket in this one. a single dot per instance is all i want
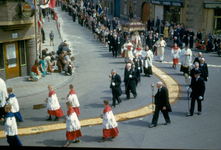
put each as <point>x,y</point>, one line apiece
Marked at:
<point>149,42</point>
<point>130,83</point>
<point>162,99</point>
<point>198,88</point>
<point>204,71</point>
<point>117,87</point>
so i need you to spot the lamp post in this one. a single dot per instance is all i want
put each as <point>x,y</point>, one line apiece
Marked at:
<point>152,88</point>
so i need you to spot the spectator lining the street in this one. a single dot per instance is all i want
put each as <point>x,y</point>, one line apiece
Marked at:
<point>42,66</point>
<point>35,74</point>
<point>51,35</point>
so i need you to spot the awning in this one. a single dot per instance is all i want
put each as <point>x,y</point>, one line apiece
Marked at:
<point>177,3</point>
<point>211,4</point>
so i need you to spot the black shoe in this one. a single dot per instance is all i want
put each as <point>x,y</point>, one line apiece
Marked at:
<point>167,123</point>
<point>199,113</point>
<point>56,119</point>
<point>49,119</point>
<point>189,114</point>
<point>135,96</point>
<point>152,125</point>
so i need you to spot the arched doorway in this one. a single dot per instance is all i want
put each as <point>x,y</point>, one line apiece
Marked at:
<point>145,12</point>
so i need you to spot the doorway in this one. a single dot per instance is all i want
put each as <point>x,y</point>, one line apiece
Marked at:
<point>12,60</point>
<point>145,12</point>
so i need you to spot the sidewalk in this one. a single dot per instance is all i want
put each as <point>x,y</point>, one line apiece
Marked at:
<point>23,88</point>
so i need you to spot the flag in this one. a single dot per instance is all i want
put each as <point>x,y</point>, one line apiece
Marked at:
<point>100,10</point>
<point>39,24</point>
<point>52,3</point>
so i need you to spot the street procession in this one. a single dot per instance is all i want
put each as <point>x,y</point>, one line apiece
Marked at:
<point>98,78</point>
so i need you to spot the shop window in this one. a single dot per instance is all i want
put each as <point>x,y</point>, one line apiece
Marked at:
<point>2,64</point>
<point>23,52</point>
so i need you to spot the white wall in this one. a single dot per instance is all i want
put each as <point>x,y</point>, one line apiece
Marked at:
<point>158,12</point>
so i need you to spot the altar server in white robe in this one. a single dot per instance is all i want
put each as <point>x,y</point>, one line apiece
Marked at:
<point>53,106</point>
<point>73,126</point>
<point>138,51</point>
<point>127,53</point>
<point>147,57</point>
<point>11,130</point>
<point>175,52</point>
<point>12,100</point>
<point>186,60</point>
<point>109,123</point>
<point>72,96</point>
<point>3,97</point>
<point>160,44</point>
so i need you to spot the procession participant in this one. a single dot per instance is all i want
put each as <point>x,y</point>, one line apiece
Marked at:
<point>3,97</point>
<point>186,59</point>
<point>72,97</point>
<point>106,36</point>
<point>161,104</point>
<point>120,43</point>
<point>135,38</point>
<point>73,125</point>
<point>74,14</point>
<point>12,100</point>
<point>198,89</point>
<point>209,45</point>
<point>109,123</point>
<point>176,40</point>
<point>110,37</point>
<point>192,71</point>
<point>138,66</point>
<point>142,38</point>
<point>116,88</point>
<point>204,69</point>
<point>155,39</point>
<point>147,57</point>
<point>114,44</point>
<point>130,80</point>
<point>160,44</point>
<point>175,52</point>
<point>216,42</point>
<point>197,59</point>
<point>191,34</point>
<point>127,53</point>
<point>150,42</point>
<point>53,106</point>
<point>11,129</point>
<point>138,51</point>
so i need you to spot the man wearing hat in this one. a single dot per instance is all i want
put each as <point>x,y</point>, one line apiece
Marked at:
<point>198,89</point>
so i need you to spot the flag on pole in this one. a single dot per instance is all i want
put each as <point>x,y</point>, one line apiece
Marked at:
<point>49,3</point>
<point>100,10</point>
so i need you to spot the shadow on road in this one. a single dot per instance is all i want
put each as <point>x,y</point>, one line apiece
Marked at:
<point>94,105</point>
<point>52,142</point>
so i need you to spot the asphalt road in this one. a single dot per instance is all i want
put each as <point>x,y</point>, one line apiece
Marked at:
<point>91,82</point>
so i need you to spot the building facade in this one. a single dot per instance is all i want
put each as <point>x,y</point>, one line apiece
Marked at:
<point>17,38</point>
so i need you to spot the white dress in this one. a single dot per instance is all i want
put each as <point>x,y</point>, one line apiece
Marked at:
<point>186,60</point>
<point>3,93</point>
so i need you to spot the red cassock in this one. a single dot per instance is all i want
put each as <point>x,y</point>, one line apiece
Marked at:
<point>175,61</point>
<point>109,123</point>
<point>73,134</point>
<point>57,112</point>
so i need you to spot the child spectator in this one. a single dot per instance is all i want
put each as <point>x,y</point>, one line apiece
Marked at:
<point>72,97</point>
<point>109,123</point>
<point>11,130</point>
<point>53,105</point>
<point>12,100</point>
<point>69,72</point>
<point>73,126</point>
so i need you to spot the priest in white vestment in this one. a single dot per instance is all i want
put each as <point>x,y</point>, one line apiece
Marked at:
<point>147,57</point>
<point>127,50</point>
<point>160,44</point>
<point>186,60</point>
<point>3,97</point>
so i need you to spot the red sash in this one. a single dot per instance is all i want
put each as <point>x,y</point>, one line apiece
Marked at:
<point>51,93</point>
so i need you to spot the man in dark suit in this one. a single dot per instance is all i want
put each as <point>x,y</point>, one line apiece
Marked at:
<point>108,24</point>
<point>216,42</point>
<point>199,35</point>
<point>152,24</point>
<point>110,37</point>
<point>116,88</point>
<point>148,24</point>
<point>186,34</point>
<point>198,89</point>
<point>138,67</point>
<point>204,69</point>
<point>114,44</point>
<point>181,33</point>
<point>130,80</point>
<point>149,41</point>
<point>74,14</point>
<point>191,34</point>
<point>192,71</point>
<point>197,59</point>
<point>161,104</point>
<point>120,42</point>
<point>157,24</point>
<point>209,45</point>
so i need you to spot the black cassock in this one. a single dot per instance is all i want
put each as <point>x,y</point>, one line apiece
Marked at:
<point>161,100</point>
<point>198,89</point>
<point>191,38</point>
<point>74,16</point>
<point>138,67</point>
<point>130,83</point>
<point>116,89</point>
<point>186,33</point>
